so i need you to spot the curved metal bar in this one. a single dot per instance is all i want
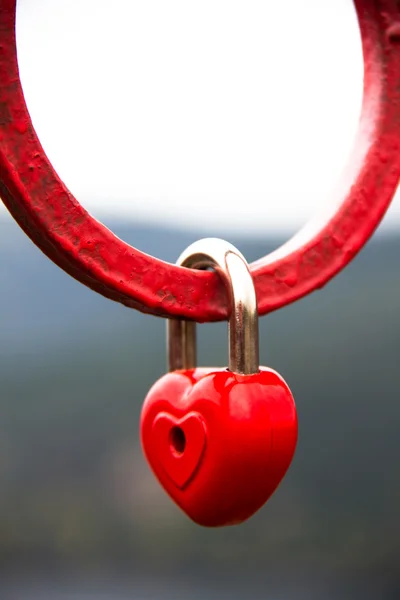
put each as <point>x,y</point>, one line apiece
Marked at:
<point>233,269</point>
<point>47,211</point>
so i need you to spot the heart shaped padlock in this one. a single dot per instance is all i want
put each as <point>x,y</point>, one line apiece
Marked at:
<point>219,440</point>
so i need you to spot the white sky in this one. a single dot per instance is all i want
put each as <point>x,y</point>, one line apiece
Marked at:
<point>233,112</point>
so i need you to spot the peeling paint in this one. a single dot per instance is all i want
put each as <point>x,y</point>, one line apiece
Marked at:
<point>55,221</point>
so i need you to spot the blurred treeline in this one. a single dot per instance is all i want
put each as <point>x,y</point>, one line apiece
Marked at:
<point>75,367</point>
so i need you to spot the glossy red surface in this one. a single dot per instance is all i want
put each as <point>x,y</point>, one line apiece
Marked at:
<point>84,248</point>
<point>218,442</point>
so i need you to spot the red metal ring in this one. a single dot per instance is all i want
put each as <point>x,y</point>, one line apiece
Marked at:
<point>84,248</point>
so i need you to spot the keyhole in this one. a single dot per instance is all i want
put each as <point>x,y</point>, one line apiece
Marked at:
<point>177,440</point>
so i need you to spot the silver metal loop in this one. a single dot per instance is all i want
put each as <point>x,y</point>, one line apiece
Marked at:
<point>231,265</point>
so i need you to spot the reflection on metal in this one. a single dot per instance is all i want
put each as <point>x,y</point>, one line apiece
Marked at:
<point>232,267</point>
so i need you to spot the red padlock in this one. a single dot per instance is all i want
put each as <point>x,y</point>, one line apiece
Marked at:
<point>219,440</point>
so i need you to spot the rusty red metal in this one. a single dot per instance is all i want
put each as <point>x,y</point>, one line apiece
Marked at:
<point>47,211</point>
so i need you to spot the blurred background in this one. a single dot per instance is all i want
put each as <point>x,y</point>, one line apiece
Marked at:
<point>173,121</point>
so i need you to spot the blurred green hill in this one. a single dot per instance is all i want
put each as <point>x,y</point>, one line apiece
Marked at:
<point>75,367</point>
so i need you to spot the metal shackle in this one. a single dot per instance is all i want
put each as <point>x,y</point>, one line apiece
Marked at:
<point>232,267</point>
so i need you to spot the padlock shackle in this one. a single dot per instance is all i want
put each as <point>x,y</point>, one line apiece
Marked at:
<point>232,267</point>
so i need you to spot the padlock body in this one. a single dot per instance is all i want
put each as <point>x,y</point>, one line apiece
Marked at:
<point>219,442</point>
